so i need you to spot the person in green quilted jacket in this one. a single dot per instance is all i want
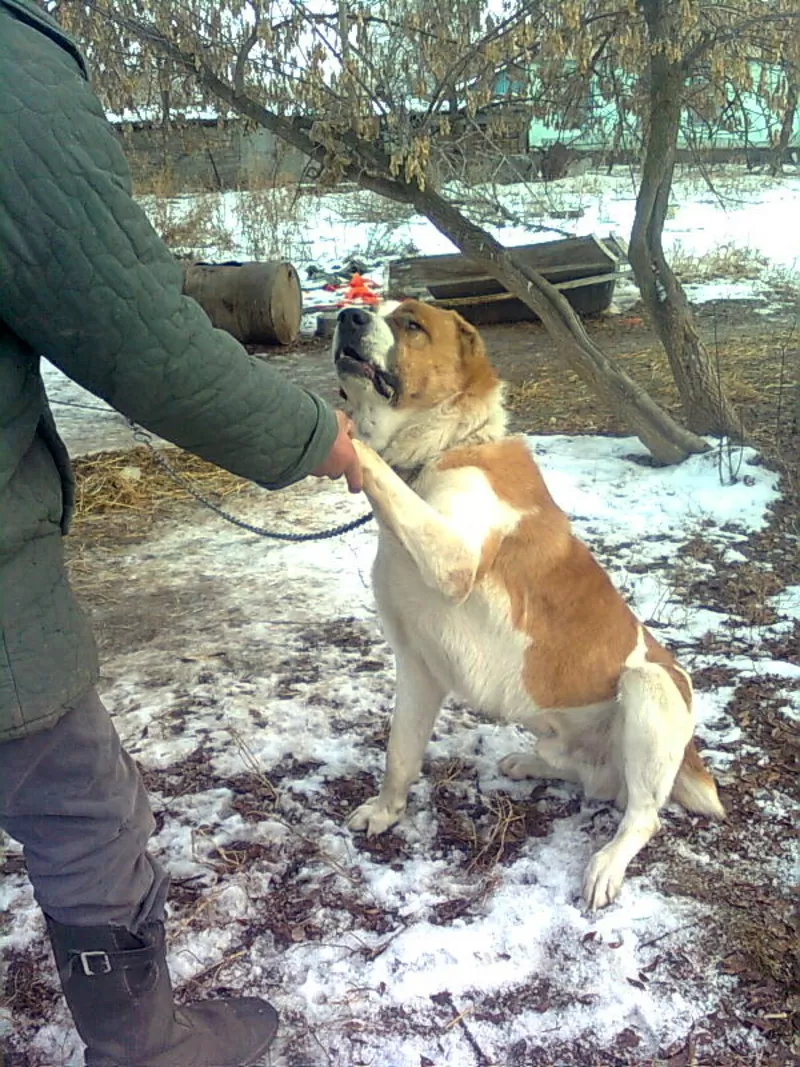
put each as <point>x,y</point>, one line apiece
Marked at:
<point>86,283</point>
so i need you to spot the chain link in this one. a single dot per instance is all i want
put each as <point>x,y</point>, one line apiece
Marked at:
<point>144,438</point>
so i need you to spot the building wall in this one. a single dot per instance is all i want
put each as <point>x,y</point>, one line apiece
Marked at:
<point>750,126</point>
<point>205,155</point>
<point>200,155</point>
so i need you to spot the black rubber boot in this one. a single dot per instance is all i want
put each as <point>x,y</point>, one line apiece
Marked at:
<point>119,993</point>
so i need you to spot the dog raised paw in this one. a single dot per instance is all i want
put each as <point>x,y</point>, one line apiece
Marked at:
<point>603,879</point>
<point>374,817</point>
<point>367,456</point>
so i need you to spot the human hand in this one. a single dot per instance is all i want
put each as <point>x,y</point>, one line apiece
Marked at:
<point>342,458</point>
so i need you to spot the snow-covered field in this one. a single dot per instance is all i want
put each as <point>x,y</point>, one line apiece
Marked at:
<point>741,214</point>
<point>259,709</point>
<point>280,688</point>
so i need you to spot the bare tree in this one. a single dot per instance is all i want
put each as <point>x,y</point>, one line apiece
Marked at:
<point>790,69</point>
<point>705,405</point>
<point>658,59</point>
<point>371,90</point>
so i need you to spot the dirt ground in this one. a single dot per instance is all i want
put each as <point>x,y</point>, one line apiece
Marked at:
<point>755,937</point>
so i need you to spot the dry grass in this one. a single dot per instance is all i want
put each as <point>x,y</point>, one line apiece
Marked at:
<point>270,220</point>
<point>188,225</point>
<point>268,217</point>
<point>754,372</point>
<point>559,400</point>
<point>191,226</point>
<point>194,228</point>
<point>133,481</point>
<point>727,261</point>
<point>371,208</point>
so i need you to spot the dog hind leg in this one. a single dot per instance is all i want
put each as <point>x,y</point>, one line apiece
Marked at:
<point>651,730</point>
<point>547,760</point>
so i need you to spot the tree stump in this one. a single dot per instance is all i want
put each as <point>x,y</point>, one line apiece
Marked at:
<point>259,303</point>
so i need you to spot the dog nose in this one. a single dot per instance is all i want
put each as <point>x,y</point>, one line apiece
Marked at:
<point>354,317</point>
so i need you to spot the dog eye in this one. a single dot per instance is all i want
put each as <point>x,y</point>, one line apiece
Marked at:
<point>411,325</point>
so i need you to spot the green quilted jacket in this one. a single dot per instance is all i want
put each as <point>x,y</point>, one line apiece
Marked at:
<point>86,282</point>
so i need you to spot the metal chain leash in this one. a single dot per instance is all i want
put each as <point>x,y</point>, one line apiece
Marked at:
<point>144,438</point>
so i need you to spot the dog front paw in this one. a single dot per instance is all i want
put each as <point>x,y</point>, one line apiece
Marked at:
<point>371,466</point>
<point>374,817</point>
<point>603,879</point>
<point>367,456</point>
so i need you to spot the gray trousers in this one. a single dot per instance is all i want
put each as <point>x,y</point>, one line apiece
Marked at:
<point>75,801</point>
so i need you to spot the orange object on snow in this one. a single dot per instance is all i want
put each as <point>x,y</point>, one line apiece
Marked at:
<point>359,291</point>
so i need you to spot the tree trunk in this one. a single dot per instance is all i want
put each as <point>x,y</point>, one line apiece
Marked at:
<point>705,405</point>
<point>787,123</point>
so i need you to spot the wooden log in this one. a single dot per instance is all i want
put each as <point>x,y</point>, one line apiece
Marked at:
<point>259,303</point>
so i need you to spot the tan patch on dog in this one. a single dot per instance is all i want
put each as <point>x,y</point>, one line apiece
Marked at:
<point>438,356</point>
<point>693,765</point>
<point>581,630</point>
<point>511,472</point>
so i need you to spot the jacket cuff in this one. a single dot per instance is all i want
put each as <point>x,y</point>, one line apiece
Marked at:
<point>317,449</point>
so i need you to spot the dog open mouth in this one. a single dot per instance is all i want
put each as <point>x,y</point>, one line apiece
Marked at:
<point>350,363</point>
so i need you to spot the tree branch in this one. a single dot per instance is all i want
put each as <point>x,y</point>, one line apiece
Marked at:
<point>245,50</point>
<point>709,40</point>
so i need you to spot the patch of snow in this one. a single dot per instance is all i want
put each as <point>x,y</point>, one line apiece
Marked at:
<point>722,289</point>
<point>792,706</point>
<point>748,216</point>
<point>787,602</point>
<point>284,674</point>
<point>607,482</point>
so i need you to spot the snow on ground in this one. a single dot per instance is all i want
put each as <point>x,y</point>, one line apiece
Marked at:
<point>259,713</point>
<point>744,214</point>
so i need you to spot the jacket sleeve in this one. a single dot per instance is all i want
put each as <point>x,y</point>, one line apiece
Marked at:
<point>85,281</point>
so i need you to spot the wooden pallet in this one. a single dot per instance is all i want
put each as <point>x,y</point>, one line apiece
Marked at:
<point>585,269</point>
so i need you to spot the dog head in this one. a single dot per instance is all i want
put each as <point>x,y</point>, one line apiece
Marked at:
<point>407,359</point>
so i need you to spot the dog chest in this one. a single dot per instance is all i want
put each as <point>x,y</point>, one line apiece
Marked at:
<point>470,647</point>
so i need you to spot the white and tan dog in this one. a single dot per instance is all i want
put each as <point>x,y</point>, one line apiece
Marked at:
<point>484,592</point>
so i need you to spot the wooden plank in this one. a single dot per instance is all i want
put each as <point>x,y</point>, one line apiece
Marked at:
<point>504,307</point>
<point>486,284</point>
<point>561,258</point>
<point>598,279</point>
<point>490,298</point>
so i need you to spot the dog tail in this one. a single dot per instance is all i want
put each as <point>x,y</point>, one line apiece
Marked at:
<point>694,788</point>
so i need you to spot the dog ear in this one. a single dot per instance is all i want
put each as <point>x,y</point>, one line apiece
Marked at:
<point>470,340</point>
<point>479,375</point>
